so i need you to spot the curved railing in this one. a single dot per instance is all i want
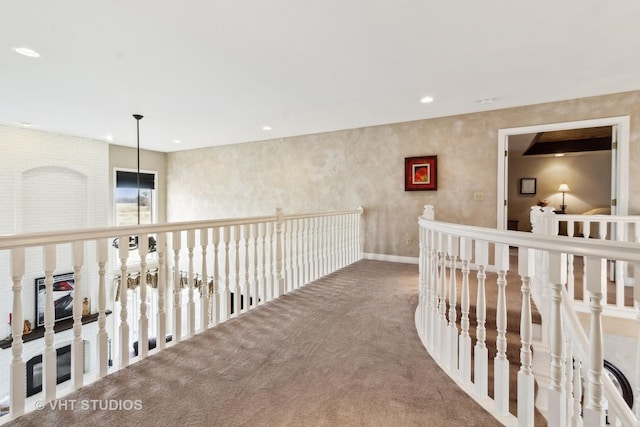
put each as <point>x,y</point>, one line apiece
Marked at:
<point>448,254</point>
<point>161,282</point>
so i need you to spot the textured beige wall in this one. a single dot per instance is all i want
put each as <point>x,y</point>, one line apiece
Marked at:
<point>127,157</point>
<point>346,169</point>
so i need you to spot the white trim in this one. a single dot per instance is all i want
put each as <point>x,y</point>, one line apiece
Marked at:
<point>622,158</point>
<point>391,258</point>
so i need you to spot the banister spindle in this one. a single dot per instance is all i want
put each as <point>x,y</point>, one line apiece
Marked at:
<point>215,294</point>
<point>500,363</point>
<point>300,253</point>
<point>254,281</point>
<point>102,339</point>
<point>177,287</point>
<point>289,234</point>
<point>226,297</point>
<point>247,287</point>
<point>433,318</point>
<point>273,292</point>
<point>205,308</point>
<point>441,344</point>
<point>526,390</point>
<point>123,253</point>
<point>143,322</point>
<point>191,305</point>
<point>17,379</point>
<point>77,351</point>
<point>262,231</point>
<point>464,360</point>
<point>452,251</point>
<point>161,245</point>
<point>481,354</point>
<point>280,285</point>
<point>237,294</point>
<point>49,374</point>
<point>557,393</point>
<point>594,412</point>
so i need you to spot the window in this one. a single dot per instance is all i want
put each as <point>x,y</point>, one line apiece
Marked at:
<point>126,197</point>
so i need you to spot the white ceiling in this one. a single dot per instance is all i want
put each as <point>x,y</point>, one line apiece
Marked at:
<point>213,72</point>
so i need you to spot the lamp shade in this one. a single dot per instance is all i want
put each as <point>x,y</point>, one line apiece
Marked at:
<point>564,188</point>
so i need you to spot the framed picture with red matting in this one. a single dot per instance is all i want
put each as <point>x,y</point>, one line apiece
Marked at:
<point>421,173</point>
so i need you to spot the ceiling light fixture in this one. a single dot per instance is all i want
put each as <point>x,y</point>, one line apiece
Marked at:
<point>25,51</point>
<point>559,155</point>
<point>176,141</point>
<point>266,127</point>
<point>109,138</point>
<point>485,101</point>
<point>28,125</point>
<point>427,99</point>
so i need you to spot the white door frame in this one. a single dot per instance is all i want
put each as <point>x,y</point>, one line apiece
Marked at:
<point>620,180</point>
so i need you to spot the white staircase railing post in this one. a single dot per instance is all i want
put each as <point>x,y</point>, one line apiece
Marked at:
<point>49,374</point>
<point>191,305</point>
<point>102,251</point>
<point>77,351</point>
<point>452,335</point>
<point>215,294</point>
<point>161,245</point>
<point>481,353</point>
<point>18,366</point>
<point>464,360</point>
<point>143,322</point>
<point>280,285</point>
<point>594,412</point>
<point>205,308</point>
<point>501,363</point>
<point>123,253</point>
<point>526,391</point>
<point>177,287</point>
<point>557,414</point>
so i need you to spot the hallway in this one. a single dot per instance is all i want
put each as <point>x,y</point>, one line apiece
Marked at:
<point>341,351</point>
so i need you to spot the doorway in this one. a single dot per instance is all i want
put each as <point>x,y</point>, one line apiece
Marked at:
<point>618,180</point>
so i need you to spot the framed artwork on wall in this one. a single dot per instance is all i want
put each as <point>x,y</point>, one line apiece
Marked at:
<point>527,186</point>
<point>421,173</point>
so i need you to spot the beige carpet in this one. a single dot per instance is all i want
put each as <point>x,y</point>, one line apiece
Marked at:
<point>343,351</point>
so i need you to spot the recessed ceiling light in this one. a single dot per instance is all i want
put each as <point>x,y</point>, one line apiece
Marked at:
<point>427,99</point>
<point>176,141</point>
<point>25,51</point>
<point>28,125</point>
<point>266,127</point>
<point>559,155</point>
<point>486,101</point>
<point>109,138</point>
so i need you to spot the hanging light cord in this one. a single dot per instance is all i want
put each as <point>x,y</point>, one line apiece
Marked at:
<point>138,117</point>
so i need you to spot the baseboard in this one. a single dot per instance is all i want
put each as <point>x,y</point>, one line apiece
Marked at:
<point>391,258</point>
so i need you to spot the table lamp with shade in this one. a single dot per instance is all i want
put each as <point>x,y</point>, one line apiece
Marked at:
<point>564,188</point>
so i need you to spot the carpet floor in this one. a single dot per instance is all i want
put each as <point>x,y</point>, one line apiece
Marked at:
<point>342,351</point>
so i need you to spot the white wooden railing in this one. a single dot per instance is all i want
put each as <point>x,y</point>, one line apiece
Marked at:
<point>575,356</point>
<point>601,227</point>
<point>259,258</point>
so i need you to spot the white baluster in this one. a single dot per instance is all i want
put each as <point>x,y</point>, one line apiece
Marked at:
<point>143,322</point>
<point>273,292</point>
<point>205,307</point>
<point>123,253</point>
<point>77,351</point>
<point>177,288</point>
<point>594,413</point>
<point>226,297</point>
<point>215,294</point>
<point>279,279</point>
<point>161,248</point>
<point>526,391</point>
<point>500,362</point>
<point>452,250</point>
<point>289,235</point>
<point>254,282</point>
<point>568,378</point>
<point>237,294</point>
<point>481,353</point>
<point>434,320</point>
<point>18,367</point>
<point>102,339</point>
<point>247,286</point>
<point>306,262</point>
<point>262,230</point>
<point>464,361</point>
<point>557,414</point>
<point>191,305</point>
<point>316,248</point>
<point>300,253</point>
<point>49,358</point>
<point>441,345</point>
